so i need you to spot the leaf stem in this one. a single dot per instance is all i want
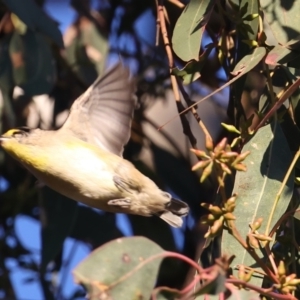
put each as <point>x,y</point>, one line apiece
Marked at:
<point>290,90</point>
<point>177,3</point>
<point>283,184</point>
<point>260,290</point>
<point>235,233</point>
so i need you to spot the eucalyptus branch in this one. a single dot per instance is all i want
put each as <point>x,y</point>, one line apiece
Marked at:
<point>162,22</point>
<point>271,259</point>
<point>235,233</point>
<point>193,110</point>
<point>290,90</point>
<point>177,3</point>
<point>262,291</point>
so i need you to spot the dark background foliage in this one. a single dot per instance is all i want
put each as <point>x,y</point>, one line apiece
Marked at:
<point>37,63</point>
<point>249,48</point>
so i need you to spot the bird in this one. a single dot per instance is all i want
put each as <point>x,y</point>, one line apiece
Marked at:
<point>83,158</point>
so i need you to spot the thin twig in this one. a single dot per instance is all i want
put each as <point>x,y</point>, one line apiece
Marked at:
<point>283,184</point>
<point>235,233</point>
<point>177,3</point>
<point>258,289</point>
<point>194,111</point>
<point>281,220</point>
<point>291,89</point>
<point>271,259</point>
<point>161,13</point>
<point>166,15</point>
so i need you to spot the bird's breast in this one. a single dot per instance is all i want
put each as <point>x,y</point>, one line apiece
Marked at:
<point>80,173</point>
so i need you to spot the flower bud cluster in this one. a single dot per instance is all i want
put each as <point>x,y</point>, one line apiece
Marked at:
<point>287,283</point>
<point>219,157</point>
<point>218,215</point>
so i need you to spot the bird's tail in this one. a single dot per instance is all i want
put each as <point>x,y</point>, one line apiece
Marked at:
<point>175,210</point>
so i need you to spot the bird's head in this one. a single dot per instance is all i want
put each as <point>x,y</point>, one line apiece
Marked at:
<point>12,138</point>
<point>21,143</point>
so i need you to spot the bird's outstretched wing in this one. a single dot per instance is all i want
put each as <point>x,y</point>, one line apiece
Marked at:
<point>103,114</point>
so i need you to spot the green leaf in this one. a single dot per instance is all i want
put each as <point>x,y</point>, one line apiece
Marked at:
<point>189,29</point>
<point>190,72</point>
<point>35,18</point>
<point>122,269</point>
<point>35,70</point>
<point>257,188</point>
<point>96,45</point>
<point>250,20</point>
<point>281,55</point>
<point>245,15</point>
<point>283,22</point>
<point>86,51</point>
<point>248,62</point>
<point>264,101</point>
<point>292,75</point>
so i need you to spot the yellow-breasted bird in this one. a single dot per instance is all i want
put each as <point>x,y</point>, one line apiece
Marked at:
<point>83,159</point>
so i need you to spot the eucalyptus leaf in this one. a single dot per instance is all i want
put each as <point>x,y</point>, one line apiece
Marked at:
<point>86,51</point>
<point>282,21</point>
<point>125,268</point>
<point>292,75</point>
<point>264,101</point>
<point>257,188</point>
<point>250,22</point>
<point>191,71</point>
<point>189,29</point>
<point>246,39</point>
<point>34,67</point>
<point>248,62</point>
<point>281,55</point>
<point>96,45</point>
<point>35,18</point>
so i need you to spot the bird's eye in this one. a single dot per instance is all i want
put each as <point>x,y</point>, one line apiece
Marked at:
<point>18,133</point>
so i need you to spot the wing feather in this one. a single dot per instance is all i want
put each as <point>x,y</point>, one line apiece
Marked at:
<point>103,114</point>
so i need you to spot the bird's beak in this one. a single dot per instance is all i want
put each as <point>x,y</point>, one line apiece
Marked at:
<point>3,138</point>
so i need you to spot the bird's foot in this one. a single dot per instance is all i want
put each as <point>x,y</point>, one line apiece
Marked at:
<point>123,202</point>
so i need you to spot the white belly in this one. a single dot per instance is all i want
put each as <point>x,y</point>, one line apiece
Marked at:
<point>80,174</point>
